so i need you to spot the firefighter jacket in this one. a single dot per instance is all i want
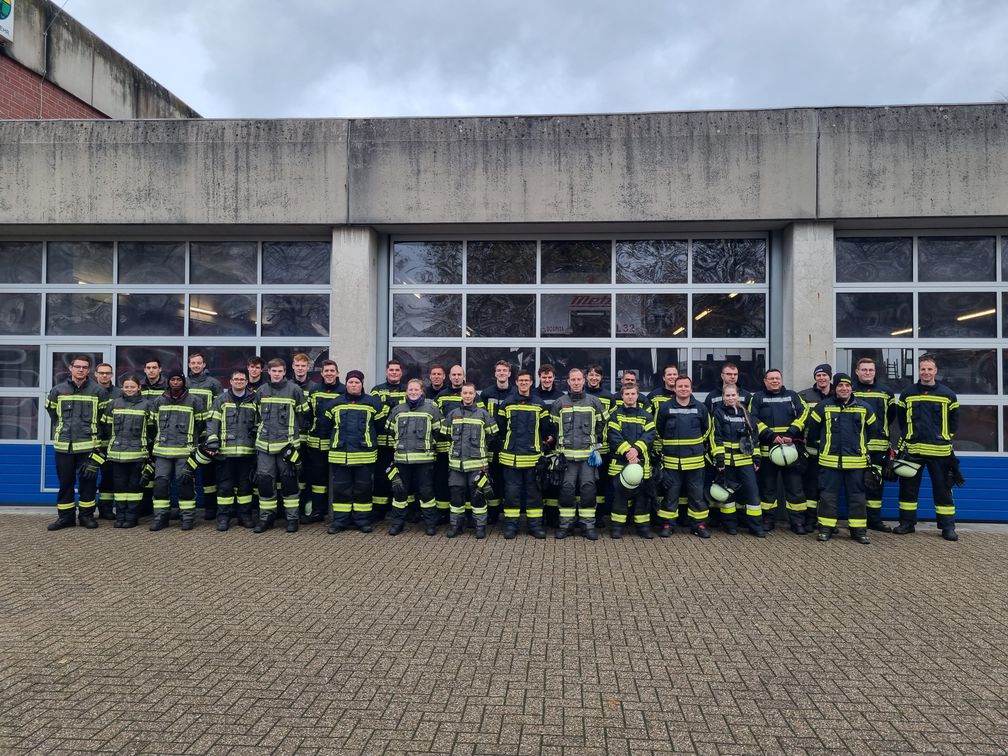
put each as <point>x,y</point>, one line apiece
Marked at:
<point>736,438</point>
<point>232,424</point>
<point>204,387</point>
<point>492,397</point>
<point>929,416</point>
<point>607,400</point>
<point>525,423</point>
<point>76,413</point>
<point>180,422</point>
<point>657,398</point>
<point>131,428</point>
<point>630,427</point>
<point>306,386</point>
<point>153,390</point>
<point>472,431</point>
<point>716,397</point>
<point>780,413</point>
<point>812,396</point>
<point>323,396</point>
<point>431,392</point>
<point>353,422</point>
<point>685,434</point>
<point>883,403</point>
<point>547,397</point>
<point>390,394</point>
<point>447,399</point>
<point>283,416</point>
<point>840,431</point>
<point>413,430</point>
<point>114,392</point>
<point>580,425</point>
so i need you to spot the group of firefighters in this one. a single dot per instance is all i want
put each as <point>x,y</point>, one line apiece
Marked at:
<point>441,452</point>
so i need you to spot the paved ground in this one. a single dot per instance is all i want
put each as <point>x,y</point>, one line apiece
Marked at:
<point>125,641</point>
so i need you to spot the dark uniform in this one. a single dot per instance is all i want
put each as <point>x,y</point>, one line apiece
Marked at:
<point>352,451</point>
<point>883,403</point>
<point>630,428</point>
<point>283,419</point>
<point>685,435</point>
<point>76,413</point>
<point>580,422</point>
<point>524,425</point>
<point>447,399</point>
<point>736,451</point>
<point>779,413</point>
<point>929,417</point>
<point>413,429</point>
<point>472,432</point>
<point>491,397</point>
<point>132,428</point>
<point>206,388</point>
<point>550,493</point>
<point>106,484</point>
<point>390,394</point>
<point>180,422</point>
<point>810,472</point>
<point>321,398</point>
<point>231,433</point>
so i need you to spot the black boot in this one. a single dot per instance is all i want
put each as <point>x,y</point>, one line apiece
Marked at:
<point>616,530</point>
<point>859,535</point>
<point>223,518</point>
<point>510,529</point>
<point>811,518</point>
<point>825,533</point>
<point>245,518</point>
<point>65,518</point>
<point>456,524</point>
<point>875,520</point>
<point>210,510</point>
<point>160,520</point>
<point>769,520</point>
<point>265,521</point>
<point>106,510</point>
<point>188,519</point>
<point>729,521</point>
<point>293,519</point>
<point>949,533</point>
<point>535,527</point>
<point>480,526</point>
<point>86,518</point>
<point>644,531</point>
<point>120,515</point>
<point>564,528</point>
<point>797,522</point>
<point>430,519</point>
<point>907,521</point>
<point>131,514</point>
<point>701,530</point>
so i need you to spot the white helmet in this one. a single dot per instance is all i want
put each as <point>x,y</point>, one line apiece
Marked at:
<point>905,467</point>
<point>721,492</point>
<point>631,476</point>
<point>783,455</point>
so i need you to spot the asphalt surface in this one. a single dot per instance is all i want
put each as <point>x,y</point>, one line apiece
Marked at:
<point>126,641</point>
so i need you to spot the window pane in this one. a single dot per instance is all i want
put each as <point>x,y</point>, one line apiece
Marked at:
<point>223,262</point>
<point>705,368</point>
<point>649,364</point>
<point>576,262</point>
<point>660,261</point>
<point>729,260</point>
<point>874,315</point>
<point>150,314</point>
<point>79,314</point>
<point>724,315</point>
<point>967,371</point>
<point>480,362</point>
<point>427,262</point>
<point>20,314</point>
<point>296,262</point>
<point>978,428</point>
<point>130,360</point>
<point>427,315</point>
<point>578,315</point>
<point>662,316</point>
<point>563,358</point>
<point>501,262</point>
<point>955,258</point>
<point>19,365</point>
<point>152,262</point>
<point>416,361</point>
<point>20,262</point>
<point>295,315</point>
<point>79,262</point>
<point>500,315</point>
<point>315,354</point>
<point>895,368</point>
<point>222,314</point>
<point>18,418</point>
<point>874,259</point>
<point>961,314</point>
<point>221,360</point>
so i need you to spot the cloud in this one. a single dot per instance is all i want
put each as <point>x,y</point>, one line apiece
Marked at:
<point>403,58</point>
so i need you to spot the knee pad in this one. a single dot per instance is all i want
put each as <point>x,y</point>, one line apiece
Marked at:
<point>265,483</point>
<point>162,488</point>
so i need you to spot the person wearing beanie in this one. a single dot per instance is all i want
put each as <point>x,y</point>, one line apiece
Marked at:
<point>180,418</point>
<point>884,405</point>
<point>352,451</point>
<point>316,447</point>
<point>842,454</point>
<point>413,426</point>
<point>821,388</point>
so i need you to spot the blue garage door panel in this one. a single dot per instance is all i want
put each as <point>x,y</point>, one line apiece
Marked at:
<point>983,499</point>
<point>20,471</point>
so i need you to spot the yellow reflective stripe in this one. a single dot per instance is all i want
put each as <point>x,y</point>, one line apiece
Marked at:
<point>945,510</point>
<point>828,522</point>
<point>908,506</point>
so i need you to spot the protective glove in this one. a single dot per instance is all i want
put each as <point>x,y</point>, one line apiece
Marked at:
<point>91,466</point>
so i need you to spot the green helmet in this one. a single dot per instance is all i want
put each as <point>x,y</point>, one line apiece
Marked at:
<point>783,455</point>
<point>904,466</point>
<point>721,492</point>
<point>631,476</point>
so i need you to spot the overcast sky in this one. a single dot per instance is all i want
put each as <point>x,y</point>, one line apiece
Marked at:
<point>345,58</point>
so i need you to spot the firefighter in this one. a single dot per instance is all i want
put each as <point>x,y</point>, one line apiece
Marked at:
<point>391,393</point>
<point>283,417</point>
<point>447,399</point>
<point>492,397</point>
<point>436,381</point>
<point>684,432</point>
<point>254,366</point>
<point>75,407</point>
<point>525,424</point>
<point>231,437</point>
<point>580,421</point>
<point>131,438</point>
<point>206,388</point>
<point>729,377</point>
<point>655,400</point>
<point>352,448</point>
<point>820,389</point>
<point>180,421</point>
<point>153,384</point>
<point>593,385</point>
<point>883,403</point>
<point>929,418</point>
<point>838,428</point>
<point>472,431</point>
<point>547,392</point>
<point>316,449</point>
<point>783,414</point>
<point>412,426</point>
<point>106,487</point>
<point>736,458</point>
<point>630,433</point>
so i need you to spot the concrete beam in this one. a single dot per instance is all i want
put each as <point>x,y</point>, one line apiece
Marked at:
<point>354,303</point>
<point>809,271</point>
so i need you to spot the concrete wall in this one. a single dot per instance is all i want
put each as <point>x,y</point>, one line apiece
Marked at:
<point>809,267</point>
<point>77,61</point>
<point>748,166</point>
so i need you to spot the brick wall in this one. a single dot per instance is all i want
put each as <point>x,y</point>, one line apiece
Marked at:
<point>19,96</point>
